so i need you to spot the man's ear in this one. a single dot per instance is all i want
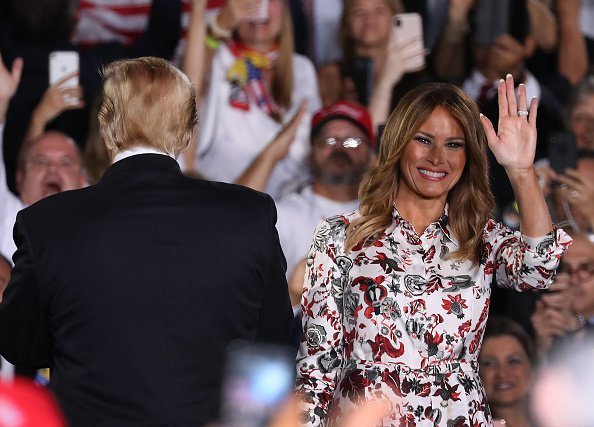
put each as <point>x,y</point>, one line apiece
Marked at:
<point>529,46</point>
<point>19,178</point>
<point>83,179</point>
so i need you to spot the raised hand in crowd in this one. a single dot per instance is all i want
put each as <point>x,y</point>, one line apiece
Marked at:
<point>9,82</point>
<point>401,58</point>
<point>258,172</point>
<point>573,55</point>
<point>449,63</point>
<point>235,11</point>
<point>59,97</point>
<point>553,316</point>
<point>579,192</point>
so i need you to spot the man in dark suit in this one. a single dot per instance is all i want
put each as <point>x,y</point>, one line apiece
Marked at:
<point>132,289</point>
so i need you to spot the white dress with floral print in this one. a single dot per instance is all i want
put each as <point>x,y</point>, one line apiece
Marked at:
<point>399,321</point>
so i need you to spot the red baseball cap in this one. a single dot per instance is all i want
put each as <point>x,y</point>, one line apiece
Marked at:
<point>355,113</point>
<point>25,404</point>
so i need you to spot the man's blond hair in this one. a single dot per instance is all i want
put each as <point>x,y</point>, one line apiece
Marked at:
<point>147,102</point>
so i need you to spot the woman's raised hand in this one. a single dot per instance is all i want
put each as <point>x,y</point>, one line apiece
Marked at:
<point>236,11</point>
<point>514,144</point>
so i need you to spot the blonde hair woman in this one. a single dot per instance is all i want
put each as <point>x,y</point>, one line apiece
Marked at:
<point>255,85</point>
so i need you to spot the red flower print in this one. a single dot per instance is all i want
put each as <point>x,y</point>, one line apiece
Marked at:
<point>455,304</point>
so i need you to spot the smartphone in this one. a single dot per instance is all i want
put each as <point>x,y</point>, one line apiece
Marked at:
<point>562,151</point>
<point>495,17</point>
<point>62,63</point>
<point>408,33</point>
<point>258,380</point>
<point>262,13</point>
<point>361,72</point>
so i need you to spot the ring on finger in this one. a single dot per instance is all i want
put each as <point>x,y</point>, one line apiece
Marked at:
<point>522,113</point>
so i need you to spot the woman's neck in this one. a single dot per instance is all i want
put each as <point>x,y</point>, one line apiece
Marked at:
<point>419,212</point>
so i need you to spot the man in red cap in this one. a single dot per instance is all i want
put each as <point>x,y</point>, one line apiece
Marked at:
<point>343,144</point>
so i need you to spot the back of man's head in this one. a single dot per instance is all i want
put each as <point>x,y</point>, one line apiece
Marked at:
<point>147,102</point>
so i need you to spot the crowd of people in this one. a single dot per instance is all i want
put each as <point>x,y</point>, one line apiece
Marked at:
<point>425,213</point>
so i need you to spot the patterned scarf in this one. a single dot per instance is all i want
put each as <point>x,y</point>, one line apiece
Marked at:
<point>245,76</point>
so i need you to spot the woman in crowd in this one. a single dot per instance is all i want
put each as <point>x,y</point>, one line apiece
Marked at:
<point>254,86</point>
<point>396,295</point>
<point>507,365</point>
<point>370,50</point>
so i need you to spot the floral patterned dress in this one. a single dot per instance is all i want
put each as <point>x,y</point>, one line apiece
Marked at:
<point>399,321</point>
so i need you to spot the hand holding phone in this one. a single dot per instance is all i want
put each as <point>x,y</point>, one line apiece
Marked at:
<point>261,14</point>
<point>408,36</point>
<point>62,63</point>
<point>562,151</point>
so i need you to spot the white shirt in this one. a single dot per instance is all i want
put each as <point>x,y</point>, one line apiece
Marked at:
<point>473,84</point>
<point>231,138</point>
<point>10,205</point>
<point>138,149</point>
<point>298,215</point>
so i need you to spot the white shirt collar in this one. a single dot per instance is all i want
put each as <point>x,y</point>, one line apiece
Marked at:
<point>138,149</point>
<point>473,84</point>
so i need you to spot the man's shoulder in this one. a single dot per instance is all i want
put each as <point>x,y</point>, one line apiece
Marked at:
<point>57,204</point>
<point>233,193</point>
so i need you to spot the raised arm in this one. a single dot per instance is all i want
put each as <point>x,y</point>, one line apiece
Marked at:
<point>196,66</point>
<point>9,82</point>
<point>258,173</point>
<point>514,147</point>
<point>573,55</point>
<point>203,42</point>
<point>402,59</point>
<point>450,51</point>
<point>58,98</point>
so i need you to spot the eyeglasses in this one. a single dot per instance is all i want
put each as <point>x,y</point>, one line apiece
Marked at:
<point>583,272</point>
<point>347,142</point>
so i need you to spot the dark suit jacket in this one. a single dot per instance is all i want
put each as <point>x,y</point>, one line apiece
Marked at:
<point>132,289</point>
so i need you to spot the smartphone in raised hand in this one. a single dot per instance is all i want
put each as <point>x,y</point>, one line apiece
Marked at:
<point>62,63</point>
<point>408,34</point>
<point>562,151</point>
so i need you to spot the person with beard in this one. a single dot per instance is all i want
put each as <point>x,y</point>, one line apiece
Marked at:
<point>47,164</point>
<point>342,150</point>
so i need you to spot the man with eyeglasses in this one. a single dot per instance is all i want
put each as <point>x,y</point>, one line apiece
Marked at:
<point>343,143</point>
<point>48,164</point>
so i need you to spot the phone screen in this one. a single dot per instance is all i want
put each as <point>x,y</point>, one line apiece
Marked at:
<point>62,63</point>
<point>562,151</point>
<point>408,34</point>
<point>258,380</point>
<point>361,72</point>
